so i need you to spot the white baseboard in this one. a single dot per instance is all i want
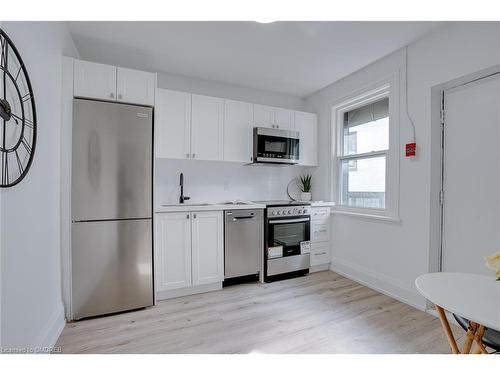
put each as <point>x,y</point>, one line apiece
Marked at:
<point>52,330</point>
<point>174,293</point>
<point>381,283</point>
<point>318,268</point>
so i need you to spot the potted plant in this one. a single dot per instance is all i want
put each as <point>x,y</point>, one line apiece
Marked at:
<point>305,187</point>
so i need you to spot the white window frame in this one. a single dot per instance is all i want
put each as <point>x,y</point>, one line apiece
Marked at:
<point>388,88</point>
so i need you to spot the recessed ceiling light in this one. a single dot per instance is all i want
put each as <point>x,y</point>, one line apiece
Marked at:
<point>265,20</point>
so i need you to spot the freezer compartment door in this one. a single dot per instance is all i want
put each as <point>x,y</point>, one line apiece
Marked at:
<point>112,161</point>
<point>111,267</point>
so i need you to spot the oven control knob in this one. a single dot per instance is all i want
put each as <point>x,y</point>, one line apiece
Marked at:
<point>289,212</point>
<point>274,213</point>
<point>300,211</point>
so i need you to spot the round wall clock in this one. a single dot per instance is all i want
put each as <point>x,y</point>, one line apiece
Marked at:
<point>17,115</point>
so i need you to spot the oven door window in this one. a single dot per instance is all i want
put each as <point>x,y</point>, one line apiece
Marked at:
<point>278,147</point>
<point>289,235</point>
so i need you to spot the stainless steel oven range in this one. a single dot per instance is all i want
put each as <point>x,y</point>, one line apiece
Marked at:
<point>286,240</point>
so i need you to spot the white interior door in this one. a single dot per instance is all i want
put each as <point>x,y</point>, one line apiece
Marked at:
<point>471,225</point>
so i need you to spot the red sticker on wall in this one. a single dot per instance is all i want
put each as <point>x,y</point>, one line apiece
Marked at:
<point>411,149</point>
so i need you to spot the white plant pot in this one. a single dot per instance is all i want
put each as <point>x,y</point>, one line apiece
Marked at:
<point>305,196</point>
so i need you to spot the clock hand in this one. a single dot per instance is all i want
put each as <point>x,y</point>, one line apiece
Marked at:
<point>5,110</point>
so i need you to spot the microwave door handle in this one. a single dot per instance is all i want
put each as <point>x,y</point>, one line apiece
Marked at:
<point>289,221</point>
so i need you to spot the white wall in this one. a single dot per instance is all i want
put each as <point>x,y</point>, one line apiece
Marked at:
<point>390,255</point>
<point>229,91</point>
<point>206,181</point>
<point>32,311</point>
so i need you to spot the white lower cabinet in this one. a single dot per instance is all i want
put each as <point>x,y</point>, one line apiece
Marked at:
<point>207,247</point>
<point>172,251</point>
<point>189,250</point>
<point>320,238</point>
<point>320,253</point>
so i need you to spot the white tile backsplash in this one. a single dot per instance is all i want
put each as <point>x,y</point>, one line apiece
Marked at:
<point>206,181</point>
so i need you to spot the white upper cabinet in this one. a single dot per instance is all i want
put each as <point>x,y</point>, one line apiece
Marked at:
<point>272,117</point>
<point>173,124</point>
<point>100,81</point>
<point>263,116</point>
<point>307,126</point>
<point>207,127</point>
<point>283,118</point>
<point>207,247</point>
<point>93,80</point>
<point>172,251</point>
<point>135,86</point>
<point>238,118</point>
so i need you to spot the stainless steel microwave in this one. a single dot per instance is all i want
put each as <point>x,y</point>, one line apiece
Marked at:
<point>275,146</point>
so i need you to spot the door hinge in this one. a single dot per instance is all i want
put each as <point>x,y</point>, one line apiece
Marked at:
<point>441,112</point>
<point>441,197</point>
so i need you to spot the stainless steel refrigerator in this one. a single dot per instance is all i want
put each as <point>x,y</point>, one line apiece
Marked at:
<point>112,253</point>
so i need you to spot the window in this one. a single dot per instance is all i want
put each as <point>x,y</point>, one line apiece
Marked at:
<point>364,153</point>
<point>365,161</point>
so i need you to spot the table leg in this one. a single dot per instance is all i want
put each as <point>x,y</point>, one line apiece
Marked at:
<point>479,340</point>
<point>470,336</point>
<point>447,330</point>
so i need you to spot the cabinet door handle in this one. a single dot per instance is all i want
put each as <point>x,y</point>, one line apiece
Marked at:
<point>119,96</point>
<point>187,216</point>
<point>193,156</point>
<point>194,216</point>
<point>111,95</point>
<point>187,156</point>
<point>323,253</point>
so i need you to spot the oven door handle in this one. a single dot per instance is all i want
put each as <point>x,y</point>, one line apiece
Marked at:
<point>289,221</point>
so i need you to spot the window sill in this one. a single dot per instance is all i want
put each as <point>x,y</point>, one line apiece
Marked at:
<point>389,218</point>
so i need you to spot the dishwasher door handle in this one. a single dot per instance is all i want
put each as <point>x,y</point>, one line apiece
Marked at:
<point>243,218</point>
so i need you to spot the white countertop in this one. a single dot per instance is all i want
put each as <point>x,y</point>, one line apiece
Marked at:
<point>207,207</point>
<point>188,207</point>
<point>322,204</point>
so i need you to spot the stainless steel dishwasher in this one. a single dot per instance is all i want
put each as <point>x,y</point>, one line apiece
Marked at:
<point>243,245</point>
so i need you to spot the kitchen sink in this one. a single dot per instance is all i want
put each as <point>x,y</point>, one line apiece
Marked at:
<point>238,203</point>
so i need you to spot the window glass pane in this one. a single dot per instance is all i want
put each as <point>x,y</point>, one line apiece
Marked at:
<point>367,137</point>
<point>363,182</point>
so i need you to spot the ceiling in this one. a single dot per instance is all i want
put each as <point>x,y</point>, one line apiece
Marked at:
<point>296,58</point>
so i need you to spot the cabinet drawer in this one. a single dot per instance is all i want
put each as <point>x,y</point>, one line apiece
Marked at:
<point>320,213</point>
<point>320,231</point>
<point>320,254</point>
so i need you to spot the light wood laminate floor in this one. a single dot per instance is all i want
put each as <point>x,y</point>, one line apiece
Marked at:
<point>319,313</point>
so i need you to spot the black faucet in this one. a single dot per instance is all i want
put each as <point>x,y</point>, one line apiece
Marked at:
<point>182,198</point>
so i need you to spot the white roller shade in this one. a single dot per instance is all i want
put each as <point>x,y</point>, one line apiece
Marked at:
<point>370,112</point>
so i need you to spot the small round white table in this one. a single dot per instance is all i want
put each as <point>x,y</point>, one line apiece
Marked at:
<point>473,297</point>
